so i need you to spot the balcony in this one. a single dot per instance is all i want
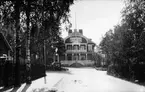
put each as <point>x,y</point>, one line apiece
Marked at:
<point>76,50</point>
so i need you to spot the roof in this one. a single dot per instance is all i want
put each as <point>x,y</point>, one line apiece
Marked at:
<point>90,41</point>
<point>76,33</point>
<point>5,41</point>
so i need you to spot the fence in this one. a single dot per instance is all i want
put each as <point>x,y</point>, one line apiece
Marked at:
<point>7,72</point>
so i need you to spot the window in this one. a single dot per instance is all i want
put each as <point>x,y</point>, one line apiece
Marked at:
<point>69,47</point>
<point>83,57</point>
<point>90,47</point>
<point>83,47</point>
<point>76,47</point>
<point>69,57</point>
<point>89,56</point>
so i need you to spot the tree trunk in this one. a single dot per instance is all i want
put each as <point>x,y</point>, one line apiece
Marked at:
<point>28,60</point>
<point>17,66</point>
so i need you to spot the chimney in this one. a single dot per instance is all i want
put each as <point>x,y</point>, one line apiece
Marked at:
<point>75,30</point>
<point>80,31</point>
<point>69,32</point>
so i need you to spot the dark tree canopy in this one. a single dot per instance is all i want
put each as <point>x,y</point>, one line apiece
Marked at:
<point>46,16</point>
<point>124,47</point>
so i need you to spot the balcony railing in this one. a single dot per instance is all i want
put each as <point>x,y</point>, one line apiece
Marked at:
<point>76,50</point>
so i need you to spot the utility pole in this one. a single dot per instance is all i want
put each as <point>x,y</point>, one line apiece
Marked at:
<point>44,40</point>
<point>45,54</point>
<point>75,21</point>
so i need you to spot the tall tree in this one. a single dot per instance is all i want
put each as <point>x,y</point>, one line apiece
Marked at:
<point>127,45</point>
<point>17,68</point>
<point>42,15</point>
<point>28,62</point>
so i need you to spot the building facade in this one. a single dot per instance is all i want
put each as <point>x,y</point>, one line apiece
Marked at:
<point>79,49</point>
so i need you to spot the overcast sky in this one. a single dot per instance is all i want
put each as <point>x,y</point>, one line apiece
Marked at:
<point>95,17</point>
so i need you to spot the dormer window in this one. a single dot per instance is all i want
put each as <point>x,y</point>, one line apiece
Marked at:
<point>90,47</point>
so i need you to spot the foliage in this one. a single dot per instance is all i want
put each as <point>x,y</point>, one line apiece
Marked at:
<point>124,46</point>
<point>45,17</point>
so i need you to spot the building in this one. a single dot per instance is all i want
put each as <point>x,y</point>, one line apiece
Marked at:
<point>79,49</point>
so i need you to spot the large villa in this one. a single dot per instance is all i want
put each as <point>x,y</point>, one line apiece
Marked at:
<point>79,49</point>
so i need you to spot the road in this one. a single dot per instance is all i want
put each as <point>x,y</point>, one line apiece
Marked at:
<point>92,80</point>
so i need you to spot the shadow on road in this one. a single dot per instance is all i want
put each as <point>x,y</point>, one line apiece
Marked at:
<point>26,87</point>
<point>23,90</point>
<point>15,89</point>
<point>5,89</point>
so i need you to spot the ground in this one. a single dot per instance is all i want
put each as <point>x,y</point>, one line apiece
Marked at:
<point>79,80</point>
<point>92,80</point>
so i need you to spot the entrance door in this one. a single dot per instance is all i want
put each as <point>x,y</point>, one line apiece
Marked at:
<point>76,57</point>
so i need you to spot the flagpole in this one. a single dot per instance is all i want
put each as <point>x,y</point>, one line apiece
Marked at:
<point>75,21</point>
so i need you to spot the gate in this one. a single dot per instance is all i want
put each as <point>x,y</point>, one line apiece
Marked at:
<point>6,72</point>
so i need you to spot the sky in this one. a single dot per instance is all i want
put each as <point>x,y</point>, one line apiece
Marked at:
<point>95,17</point>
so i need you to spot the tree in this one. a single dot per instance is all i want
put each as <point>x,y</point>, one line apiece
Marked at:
<point>46,16</point>
<point>126,48</point>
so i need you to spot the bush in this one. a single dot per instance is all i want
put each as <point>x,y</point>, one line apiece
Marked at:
<point>139,72</point>
<point>118,71</point>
